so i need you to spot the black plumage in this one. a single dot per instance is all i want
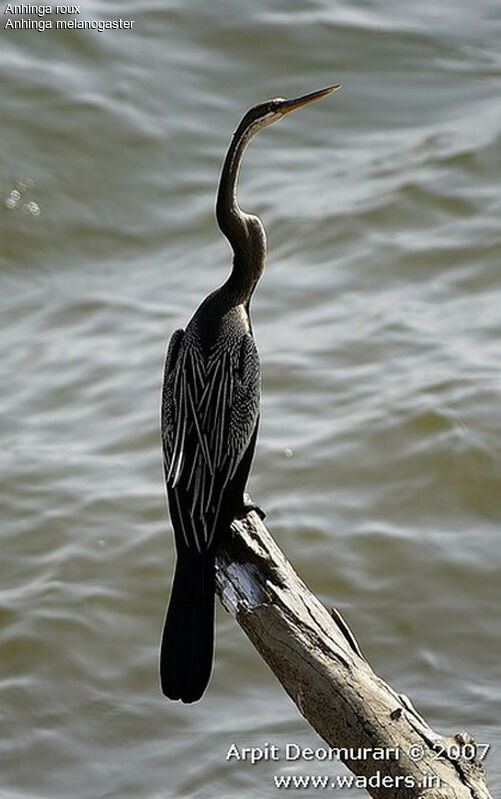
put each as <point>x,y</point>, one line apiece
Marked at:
<point>210,416</point>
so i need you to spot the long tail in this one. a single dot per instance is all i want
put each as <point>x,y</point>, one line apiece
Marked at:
<point>188,638</point>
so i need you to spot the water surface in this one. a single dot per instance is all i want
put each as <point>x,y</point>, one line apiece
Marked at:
<point>378,323</point>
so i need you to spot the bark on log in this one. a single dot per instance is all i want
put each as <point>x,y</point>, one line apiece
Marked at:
<point>317,660</point>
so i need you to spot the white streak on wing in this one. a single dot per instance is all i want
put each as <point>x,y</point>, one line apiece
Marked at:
<point>179,374</point>
<point>204,524</point>
<point>207,393</point>
<point>209,494</point>
<point>197,366</point>
<point>183,528</point>
<point>179,465</point>
<point>195,536</point>
<point>222,431</point>
<point>216,517</point>
<point>235,466</point>
<point>177,450</point>
<point>201,436</point>
<point>192,472</point>
<point>217,426</point>
<point>178,458</point>
<point>196,490</point>
<point>177,392</point>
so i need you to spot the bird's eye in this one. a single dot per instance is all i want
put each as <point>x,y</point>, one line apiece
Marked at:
<point>275,104</point>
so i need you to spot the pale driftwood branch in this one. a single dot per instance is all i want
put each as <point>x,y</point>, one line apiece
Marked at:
<point>316,658</point>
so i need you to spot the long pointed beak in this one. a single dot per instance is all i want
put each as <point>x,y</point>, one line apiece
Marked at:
<point>291,105</point>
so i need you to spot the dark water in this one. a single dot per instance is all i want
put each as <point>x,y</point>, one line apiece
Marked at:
<point>378,323</point>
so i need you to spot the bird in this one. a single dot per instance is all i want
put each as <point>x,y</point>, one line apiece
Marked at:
<point>209,421</point>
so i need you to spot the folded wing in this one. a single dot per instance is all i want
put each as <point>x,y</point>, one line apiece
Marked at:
<point>210,410</point>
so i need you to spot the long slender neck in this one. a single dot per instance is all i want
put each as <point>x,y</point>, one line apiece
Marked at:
<point>244,232</point>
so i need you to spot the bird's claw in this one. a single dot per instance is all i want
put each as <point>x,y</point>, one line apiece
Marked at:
<point>247,506</point>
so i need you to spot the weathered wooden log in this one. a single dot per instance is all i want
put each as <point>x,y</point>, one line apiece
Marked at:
<point>316,658</point>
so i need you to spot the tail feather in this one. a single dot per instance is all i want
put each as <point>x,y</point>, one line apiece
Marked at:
<point>188,638</point>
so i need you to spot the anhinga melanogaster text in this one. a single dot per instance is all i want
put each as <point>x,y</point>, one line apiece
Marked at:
<point>210,415</point>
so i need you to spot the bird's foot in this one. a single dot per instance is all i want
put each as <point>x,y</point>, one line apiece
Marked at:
<point>247,506</point>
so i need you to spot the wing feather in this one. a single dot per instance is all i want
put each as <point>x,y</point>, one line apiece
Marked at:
<point>209,413</point>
